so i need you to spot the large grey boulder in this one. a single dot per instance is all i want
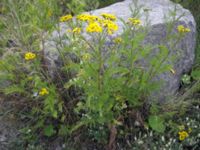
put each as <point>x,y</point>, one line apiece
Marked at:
<point>157,10</point>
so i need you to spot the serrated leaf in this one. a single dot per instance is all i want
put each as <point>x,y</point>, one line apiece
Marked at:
<point>157,123</point>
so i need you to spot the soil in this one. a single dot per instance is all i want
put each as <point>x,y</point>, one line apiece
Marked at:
<point>8,126</point>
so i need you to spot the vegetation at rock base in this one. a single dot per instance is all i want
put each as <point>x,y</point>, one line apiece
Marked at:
<point>99,99</point>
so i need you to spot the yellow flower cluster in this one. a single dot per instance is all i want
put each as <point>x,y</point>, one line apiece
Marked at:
<point>183,135</point>
<point>87,17</point>
<point>134,21</point>
<point>97,24</point>
<point>110,26</point>
<point>65,18</point>
<point>83,17</point>
<point>29,56</point>
<point>182,29</point>
<point>43,92</point>
<point>94,27</point>
<point>109,16</point>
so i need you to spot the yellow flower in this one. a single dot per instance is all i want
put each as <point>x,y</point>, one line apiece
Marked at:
<point>86,57</point>
<point>93,18</point>
<point>118,40</point>
<point>187,30</point>
<point>29,56</point>
<point>43,92</point>
<point>109,16</point>
<point>30,78</point>
<point>182,29</point>
<point>183,135</point>
<point>65,18</point>
<point>49,13</point>
<point>134,21</point>
<point>110,26</point>
<point>118,97</point>
<point>94,27</point>
<point>83,17</point>
<point>87,17</point>
<point>69,30</point>
<point>76,30</point>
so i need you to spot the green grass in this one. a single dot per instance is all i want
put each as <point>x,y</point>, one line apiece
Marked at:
<point>104,3</point>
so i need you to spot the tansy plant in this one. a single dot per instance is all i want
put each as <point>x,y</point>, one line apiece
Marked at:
<point>101,82</point>
<point>110,76</point>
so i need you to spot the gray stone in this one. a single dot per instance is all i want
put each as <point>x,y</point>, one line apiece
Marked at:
<point>157,10</point>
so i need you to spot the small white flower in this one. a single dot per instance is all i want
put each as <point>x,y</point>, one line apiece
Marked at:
<point>63,145</point>
<point>167,145</point>
<point>135,138</point>
<point>28,131</point>
<point>74,48</point>
<point>137,123</point>
<point>74,80</point>
<point>151,133</point>
<point>140,142</point>
<point>35,94</point>
<point>163,138</point>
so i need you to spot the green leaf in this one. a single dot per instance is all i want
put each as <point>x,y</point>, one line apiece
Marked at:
<point>196,74</point>
<point>64,130</point>
<point>154,109</point>
<point>69,84</point>
<point>157,123</point>
<point>49,131</point>
<point>55,114</point>
<point>186,79</point>
<point>7,76</point>
<point>13,89</point>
